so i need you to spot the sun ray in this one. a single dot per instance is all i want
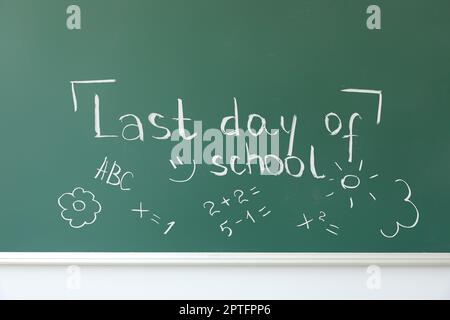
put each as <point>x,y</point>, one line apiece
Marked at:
<point>374,176</point>
<point>373,197</point>
<point>361,165</point>
<point>329,195</point>
<point>351,202</point>
<point>338,166</point>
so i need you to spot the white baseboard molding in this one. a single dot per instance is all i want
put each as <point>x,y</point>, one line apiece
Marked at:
<point>210,258</point>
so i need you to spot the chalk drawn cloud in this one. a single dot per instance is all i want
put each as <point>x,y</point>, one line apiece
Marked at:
<point>79,207</point>
<point>413,214</point>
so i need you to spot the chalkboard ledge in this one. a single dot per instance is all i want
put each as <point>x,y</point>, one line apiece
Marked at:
<point>242,258</point>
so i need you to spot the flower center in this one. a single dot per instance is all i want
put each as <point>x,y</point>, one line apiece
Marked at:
<point>79,205</point>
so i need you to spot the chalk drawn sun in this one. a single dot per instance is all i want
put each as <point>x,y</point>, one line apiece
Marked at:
<point>351,182</point>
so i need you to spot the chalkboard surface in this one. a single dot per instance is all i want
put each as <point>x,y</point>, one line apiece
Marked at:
<point>224,126</point>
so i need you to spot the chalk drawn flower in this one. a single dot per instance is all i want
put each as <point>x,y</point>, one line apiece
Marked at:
<point>79,207</point>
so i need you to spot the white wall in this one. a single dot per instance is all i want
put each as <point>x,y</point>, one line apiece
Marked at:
<point>95,282</point>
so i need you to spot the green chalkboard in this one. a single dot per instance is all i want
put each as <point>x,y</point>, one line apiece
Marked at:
<point>118,126</point>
